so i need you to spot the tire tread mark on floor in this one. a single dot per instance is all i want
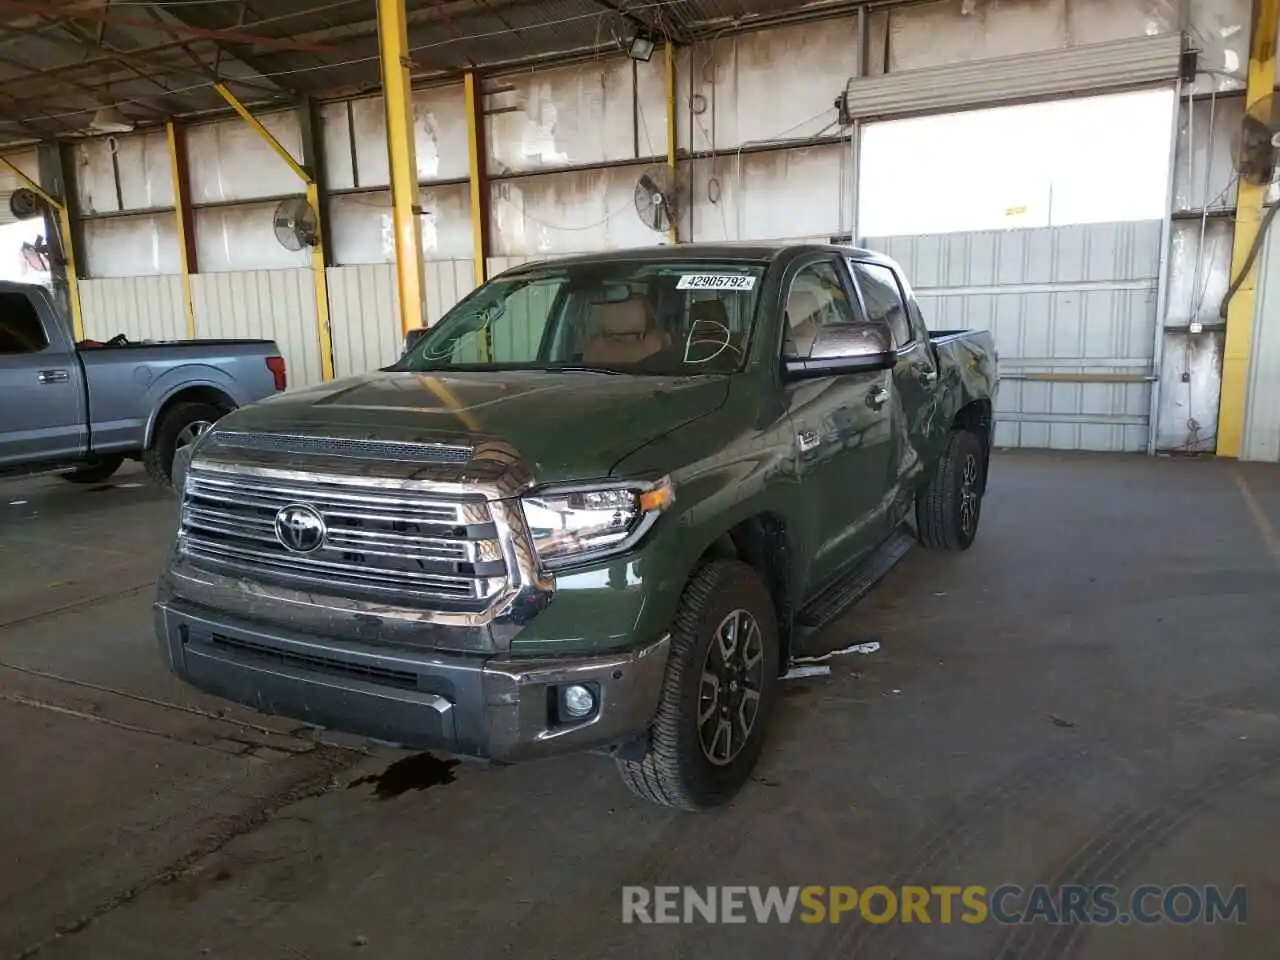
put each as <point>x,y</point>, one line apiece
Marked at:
<point>1195,712</point>
<point>296,733</point>
<point>328,764</point>
<point>953,832</point>
<point>1123,843</point>
<point>686,844</point>
<point>967,818</point>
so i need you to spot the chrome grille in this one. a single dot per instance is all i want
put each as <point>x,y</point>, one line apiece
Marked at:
<point>386,542</point>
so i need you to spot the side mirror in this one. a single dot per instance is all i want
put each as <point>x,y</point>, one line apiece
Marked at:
<point>413,336</point>
<point>844,348</point>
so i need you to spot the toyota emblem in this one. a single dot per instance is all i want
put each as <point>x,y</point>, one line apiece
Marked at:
<point>300,528</point>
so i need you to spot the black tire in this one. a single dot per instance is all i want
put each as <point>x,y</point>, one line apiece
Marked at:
<point>101,469</point>
<point>172,432</point>
<point>675,770</point>
<point>948,511</point>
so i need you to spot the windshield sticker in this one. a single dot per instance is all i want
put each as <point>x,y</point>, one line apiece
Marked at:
<point>715,281</point>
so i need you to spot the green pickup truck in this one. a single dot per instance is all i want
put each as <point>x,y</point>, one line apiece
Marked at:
<point>599,506</point>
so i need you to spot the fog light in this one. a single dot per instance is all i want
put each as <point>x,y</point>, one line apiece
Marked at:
<point>577,702</point>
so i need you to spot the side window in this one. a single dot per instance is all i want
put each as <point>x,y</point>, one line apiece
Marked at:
<point>883,299</point>
<point>20,327</point>
<point>816,299</point>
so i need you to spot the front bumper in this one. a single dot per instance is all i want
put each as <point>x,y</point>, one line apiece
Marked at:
<point>498,708</point>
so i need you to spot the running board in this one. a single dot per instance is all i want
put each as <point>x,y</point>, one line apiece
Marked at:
<point>852,587</point>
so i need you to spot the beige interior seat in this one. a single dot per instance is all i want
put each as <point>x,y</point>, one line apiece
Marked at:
<point>803,320</point>
<point>626,334</point>
<point>708,311</point>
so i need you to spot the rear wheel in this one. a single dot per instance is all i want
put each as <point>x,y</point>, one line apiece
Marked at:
<point>179,427</point>
<point>947,513</point>
<point>101,469</point>
<point>718,695</point>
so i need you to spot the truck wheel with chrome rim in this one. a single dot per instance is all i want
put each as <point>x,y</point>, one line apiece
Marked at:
<point>718,695</point>
<point>180,426</point>
<point>947,512</point>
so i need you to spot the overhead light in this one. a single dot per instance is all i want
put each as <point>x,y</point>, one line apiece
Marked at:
<point>110,120</point>
<point>641,48</point>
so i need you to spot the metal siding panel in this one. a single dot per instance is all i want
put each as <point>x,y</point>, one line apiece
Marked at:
<point>1204,174</point>
<point>274,305</point>
<point>1191,383</point>
<point>363,306</point>
<point>1262,411</point>
<point>1076,71</point>
<point>142,308</point>
<point>1197,283</point>
<point>1075,299</point>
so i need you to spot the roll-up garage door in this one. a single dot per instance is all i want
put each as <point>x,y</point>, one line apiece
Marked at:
<point>1077,71</point>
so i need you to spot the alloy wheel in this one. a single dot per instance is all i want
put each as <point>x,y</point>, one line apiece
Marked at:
<point>729,694</point>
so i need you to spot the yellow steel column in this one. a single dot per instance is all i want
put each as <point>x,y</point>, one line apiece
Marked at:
<point>182,214</point>
<point>68,246</point>
<point>476,164</point>
<point>393,48</point>
<point>669,52</point>
<point>321,279</point>
<point>1249,201</point>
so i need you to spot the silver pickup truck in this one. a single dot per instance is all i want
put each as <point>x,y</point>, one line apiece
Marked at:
<point>89,407</point>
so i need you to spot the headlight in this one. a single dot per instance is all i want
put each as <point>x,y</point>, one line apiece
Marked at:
<point>579,523</point>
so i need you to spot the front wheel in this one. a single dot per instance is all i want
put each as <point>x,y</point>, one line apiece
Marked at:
<point>947,512</point>
<point>179,427</point>
<point>718,695</point>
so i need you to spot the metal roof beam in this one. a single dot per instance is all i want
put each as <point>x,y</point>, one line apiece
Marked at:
<point>173,29</point>
<point>212,72</point>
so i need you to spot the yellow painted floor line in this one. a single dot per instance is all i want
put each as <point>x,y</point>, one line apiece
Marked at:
<point>1265,527</point>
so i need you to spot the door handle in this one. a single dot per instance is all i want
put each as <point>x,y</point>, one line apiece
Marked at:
<point>877,398</point>
<point>53,376</point>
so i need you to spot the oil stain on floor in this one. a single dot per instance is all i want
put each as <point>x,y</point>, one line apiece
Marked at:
<point>418,772</point>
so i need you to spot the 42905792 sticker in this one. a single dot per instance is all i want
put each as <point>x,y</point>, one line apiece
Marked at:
<point>715,281</point>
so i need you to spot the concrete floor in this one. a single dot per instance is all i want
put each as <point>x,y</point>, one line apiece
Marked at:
<point>1090,695</point>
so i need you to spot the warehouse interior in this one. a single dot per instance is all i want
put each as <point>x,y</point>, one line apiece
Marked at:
<point>1087,696</point>
<point>1100,184</point>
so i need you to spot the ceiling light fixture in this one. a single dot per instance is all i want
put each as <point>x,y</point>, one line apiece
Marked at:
<point>110,120</point>
<point>641,47</point>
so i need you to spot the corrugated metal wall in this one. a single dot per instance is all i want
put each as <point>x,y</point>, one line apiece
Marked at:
<point>275,305</point>
<point>142,308</point>
<point>363,309</point>
<point>1059,300</point>
<point>1262,413</point>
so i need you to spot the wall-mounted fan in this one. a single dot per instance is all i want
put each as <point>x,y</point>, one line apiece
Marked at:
<point>295,224</point>
<point>658,198</point>
<point>1255,151</point>
<point>25,203</point>
<point>1256,145</point>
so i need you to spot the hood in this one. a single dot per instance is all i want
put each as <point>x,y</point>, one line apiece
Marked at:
<point>561,425</point>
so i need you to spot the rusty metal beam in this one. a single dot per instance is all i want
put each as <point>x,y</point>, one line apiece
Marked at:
<point>117,56</point>
<point>212,73</point>
<point>175,30</point>
<point>441,11</point>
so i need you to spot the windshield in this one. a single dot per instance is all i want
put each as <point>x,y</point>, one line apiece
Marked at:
<point>666,318</point>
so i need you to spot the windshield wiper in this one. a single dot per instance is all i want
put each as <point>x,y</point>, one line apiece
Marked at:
<point>580,368</point>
